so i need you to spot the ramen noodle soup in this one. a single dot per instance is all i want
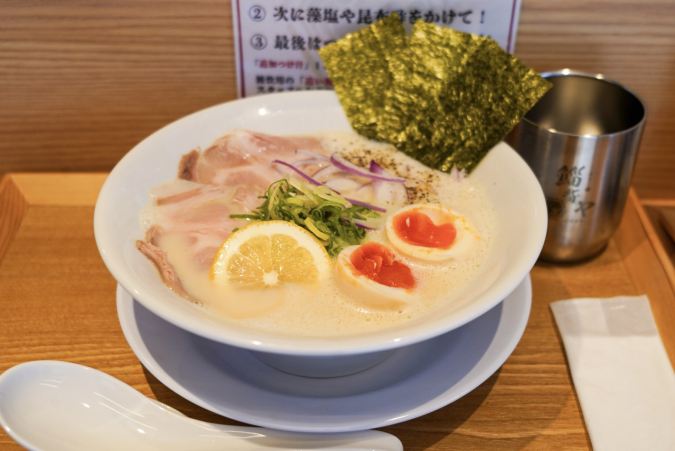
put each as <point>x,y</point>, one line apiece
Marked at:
<point>187,220</point>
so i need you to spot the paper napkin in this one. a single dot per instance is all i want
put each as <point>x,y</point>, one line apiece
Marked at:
<point>621,372</point>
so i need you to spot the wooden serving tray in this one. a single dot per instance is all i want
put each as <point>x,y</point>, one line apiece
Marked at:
<point>58,303</point>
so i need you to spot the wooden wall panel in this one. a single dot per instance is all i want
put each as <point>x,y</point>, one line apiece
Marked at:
<point>81,82</point>
<point>630,41</point>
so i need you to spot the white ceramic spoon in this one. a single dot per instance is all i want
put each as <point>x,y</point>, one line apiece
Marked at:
<point>59,406</point>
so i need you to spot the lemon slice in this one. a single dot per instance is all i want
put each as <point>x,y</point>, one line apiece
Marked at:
<point>267,254</point>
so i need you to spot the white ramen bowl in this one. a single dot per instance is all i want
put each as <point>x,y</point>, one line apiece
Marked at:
<point>512,188</point>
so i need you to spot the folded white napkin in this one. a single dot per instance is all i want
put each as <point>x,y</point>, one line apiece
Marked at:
<point>621,372</point>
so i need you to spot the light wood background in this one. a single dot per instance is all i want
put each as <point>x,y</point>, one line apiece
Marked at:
<point>83,81</point>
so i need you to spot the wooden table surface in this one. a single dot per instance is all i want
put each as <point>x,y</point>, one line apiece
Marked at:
<point>58,303</point>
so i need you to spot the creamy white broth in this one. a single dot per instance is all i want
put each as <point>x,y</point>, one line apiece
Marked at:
<point>325,310</point>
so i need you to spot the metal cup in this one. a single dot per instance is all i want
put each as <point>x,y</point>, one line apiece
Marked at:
<point>581,141</point>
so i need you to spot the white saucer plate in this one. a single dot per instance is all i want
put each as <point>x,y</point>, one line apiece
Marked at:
<point>412,382</point>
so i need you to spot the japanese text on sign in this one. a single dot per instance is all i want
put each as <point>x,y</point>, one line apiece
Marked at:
<point>276,42</point>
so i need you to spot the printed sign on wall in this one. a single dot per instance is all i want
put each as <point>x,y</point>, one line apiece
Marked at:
<point>276,41</point>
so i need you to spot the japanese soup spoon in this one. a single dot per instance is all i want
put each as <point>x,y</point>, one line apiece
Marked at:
<point>59,406</point>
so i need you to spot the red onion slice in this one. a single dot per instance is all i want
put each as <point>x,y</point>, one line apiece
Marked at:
<point>457,174</point>
<point>387,193</point>
<point>360,224</point>
<point>376,168</point>
<point>311,154</point>
<point>343,184</point>
<point>367,191</point>
<point>321,163</point>
<point>367,205</point>
<point>299,172</point>
<point>346,166</point>
<point>326,173</point>
<point>314,182</point>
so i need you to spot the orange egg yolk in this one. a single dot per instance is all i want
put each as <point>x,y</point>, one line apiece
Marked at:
<point>416,228</point>
<point>377,263</point>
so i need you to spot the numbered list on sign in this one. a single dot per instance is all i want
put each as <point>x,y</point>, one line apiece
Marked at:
<point>276,42</point>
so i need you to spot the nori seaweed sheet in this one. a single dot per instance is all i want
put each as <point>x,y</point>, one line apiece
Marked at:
<point>442,96</point>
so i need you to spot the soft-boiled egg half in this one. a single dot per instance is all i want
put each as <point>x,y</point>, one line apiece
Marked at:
<point>431,232</point>
<point>374,276</point>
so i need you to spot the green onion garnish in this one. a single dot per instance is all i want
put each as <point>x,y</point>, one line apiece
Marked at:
<point>318,209</point>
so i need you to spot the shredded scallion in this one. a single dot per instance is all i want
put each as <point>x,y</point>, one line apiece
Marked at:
<point>318,209</point>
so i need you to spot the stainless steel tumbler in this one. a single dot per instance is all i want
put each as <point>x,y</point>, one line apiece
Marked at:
<point>581,141</point>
